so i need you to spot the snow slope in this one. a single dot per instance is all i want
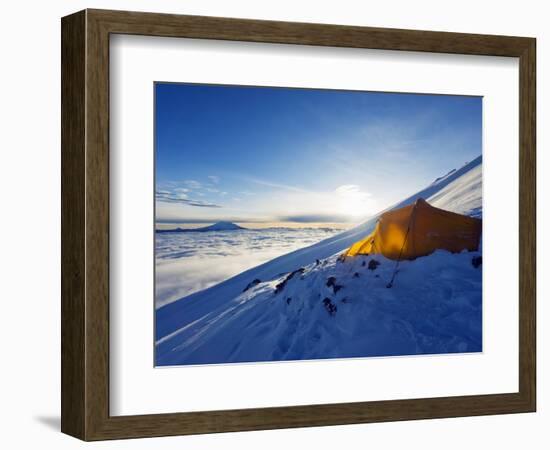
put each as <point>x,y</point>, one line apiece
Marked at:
<point>434,306</point>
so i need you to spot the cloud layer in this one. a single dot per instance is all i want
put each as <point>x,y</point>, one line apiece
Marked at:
<point>190,262</point>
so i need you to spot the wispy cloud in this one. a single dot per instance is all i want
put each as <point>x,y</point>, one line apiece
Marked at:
<point>351,189</point>
<point>193,184</point>
<point>182,198</point>
<point>214,179</point>
<point>271,184</point>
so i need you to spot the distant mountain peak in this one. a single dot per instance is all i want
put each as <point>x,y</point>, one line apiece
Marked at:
<point>221,226</point>
<point>218,226</point>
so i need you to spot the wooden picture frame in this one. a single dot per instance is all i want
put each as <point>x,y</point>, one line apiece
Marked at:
<point>85,224</point>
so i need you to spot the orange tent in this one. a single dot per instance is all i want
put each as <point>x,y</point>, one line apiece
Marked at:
<point>418,230</point>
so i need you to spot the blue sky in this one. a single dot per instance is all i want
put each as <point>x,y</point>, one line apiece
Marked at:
<point>256,154</point>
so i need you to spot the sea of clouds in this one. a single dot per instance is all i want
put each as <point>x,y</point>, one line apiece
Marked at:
<point>190,262</point>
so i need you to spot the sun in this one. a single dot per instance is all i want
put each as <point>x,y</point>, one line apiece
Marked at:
<point>352,205</point>
<point>353,202</point>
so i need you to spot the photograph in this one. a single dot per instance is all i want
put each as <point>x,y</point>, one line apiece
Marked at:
<point>306,224</point>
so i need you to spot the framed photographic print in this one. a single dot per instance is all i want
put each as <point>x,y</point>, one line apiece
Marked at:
<point>271,224</point>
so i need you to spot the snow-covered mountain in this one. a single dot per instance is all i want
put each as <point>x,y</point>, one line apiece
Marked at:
<point>307,304</point>
<point>221,226</point>
<point>218,226</point>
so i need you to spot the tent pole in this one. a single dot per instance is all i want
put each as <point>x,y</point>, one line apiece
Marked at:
<point>390,284</point>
